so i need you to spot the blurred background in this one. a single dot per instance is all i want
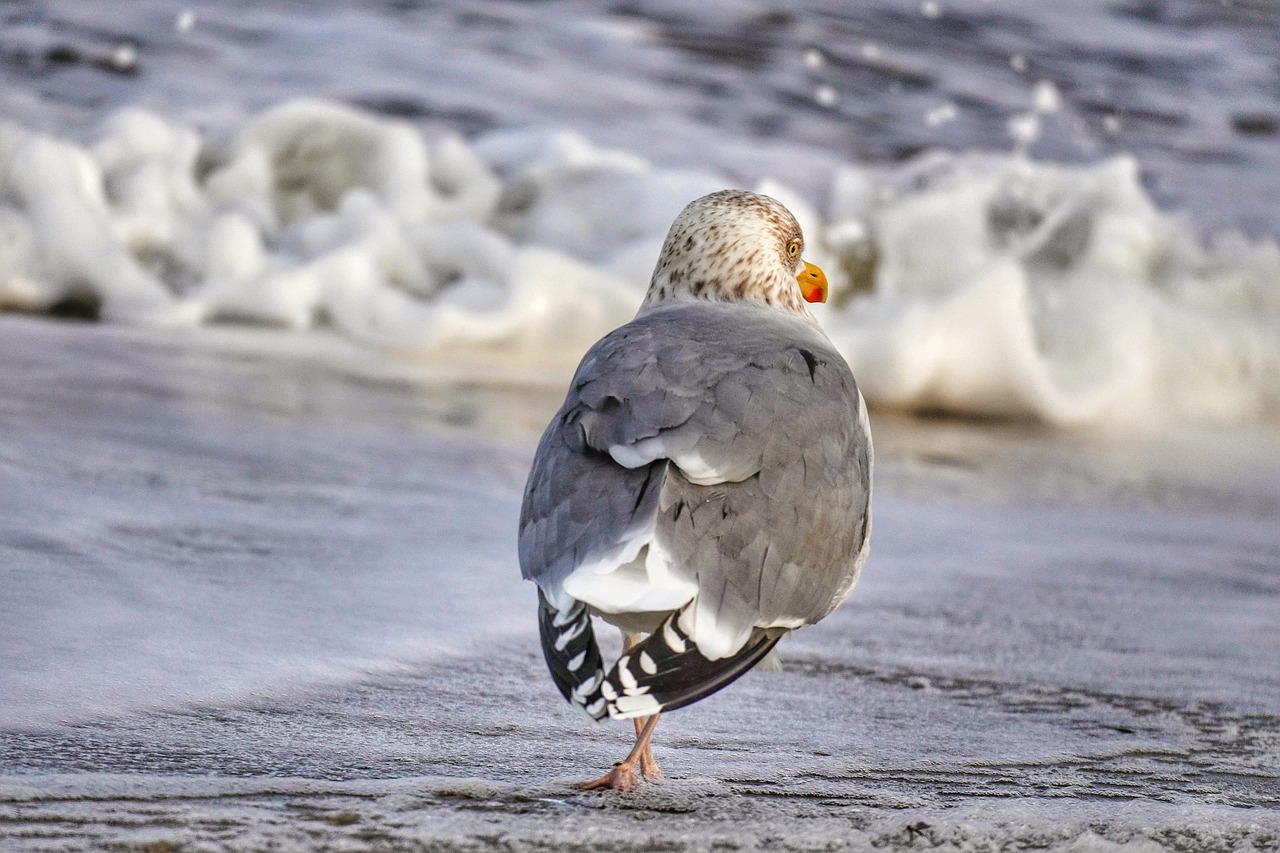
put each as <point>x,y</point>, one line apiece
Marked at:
<point>1065,214</point>
<point>289,290</point>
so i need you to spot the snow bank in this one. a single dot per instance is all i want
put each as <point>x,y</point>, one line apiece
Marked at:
<point>989,286</point>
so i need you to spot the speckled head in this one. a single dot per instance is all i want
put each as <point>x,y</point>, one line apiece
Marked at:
<point>735,246</point>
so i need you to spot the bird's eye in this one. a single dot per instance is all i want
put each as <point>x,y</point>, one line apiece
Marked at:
<point>793,248</point>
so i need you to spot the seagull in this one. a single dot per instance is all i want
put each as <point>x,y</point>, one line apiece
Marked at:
<point>706,486</point>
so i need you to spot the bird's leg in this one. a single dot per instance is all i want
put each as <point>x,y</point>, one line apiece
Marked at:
<point>649,768</point>
<point>622,777</point>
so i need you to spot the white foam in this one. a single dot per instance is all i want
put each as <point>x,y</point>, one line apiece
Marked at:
<point>1059,293</point>
<point>68,237</point>
<point>984,285</point>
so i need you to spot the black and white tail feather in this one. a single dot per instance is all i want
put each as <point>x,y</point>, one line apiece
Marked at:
<point>664,672</point>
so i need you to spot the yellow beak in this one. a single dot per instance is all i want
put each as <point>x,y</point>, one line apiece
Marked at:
<point>813,283</point>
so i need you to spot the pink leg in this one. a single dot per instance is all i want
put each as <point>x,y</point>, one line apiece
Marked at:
<point>622,777</point>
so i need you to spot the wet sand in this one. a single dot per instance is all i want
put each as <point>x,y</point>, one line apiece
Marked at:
<point>1062,641</point>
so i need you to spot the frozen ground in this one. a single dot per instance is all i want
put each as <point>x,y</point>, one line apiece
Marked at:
<point>259,592</point>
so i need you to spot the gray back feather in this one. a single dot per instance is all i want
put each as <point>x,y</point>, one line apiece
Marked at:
<point>756,394</point>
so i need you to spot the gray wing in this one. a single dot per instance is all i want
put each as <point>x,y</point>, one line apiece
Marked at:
<point>734,439</point>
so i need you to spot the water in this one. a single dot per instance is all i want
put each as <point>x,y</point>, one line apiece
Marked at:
<point>262,592</point>
<point>257,567</point>
<point>1187,87</point>
<point>1081,195</point>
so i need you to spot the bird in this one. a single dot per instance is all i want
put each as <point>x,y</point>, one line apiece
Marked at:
<point>706,485</point>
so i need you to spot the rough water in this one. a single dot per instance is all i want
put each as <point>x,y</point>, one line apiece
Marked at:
<point>258,586</point>
<point>1021,211</point>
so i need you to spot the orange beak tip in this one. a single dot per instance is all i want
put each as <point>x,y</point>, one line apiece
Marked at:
<point>813,283</point>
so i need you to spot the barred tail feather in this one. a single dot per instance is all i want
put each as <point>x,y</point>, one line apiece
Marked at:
<point>663,672</point>
<point>569,646</point>
<point>666,671</point>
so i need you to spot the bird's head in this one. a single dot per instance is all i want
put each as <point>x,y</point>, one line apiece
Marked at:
<point>736,246</point>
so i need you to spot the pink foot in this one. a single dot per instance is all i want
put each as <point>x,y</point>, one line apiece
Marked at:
<point>620,778</point>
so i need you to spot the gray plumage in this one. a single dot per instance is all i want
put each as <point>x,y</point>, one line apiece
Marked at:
<point>711,464</point>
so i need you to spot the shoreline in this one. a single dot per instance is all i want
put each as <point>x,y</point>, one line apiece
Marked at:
<point>297,570</point>
<point>447,814</point>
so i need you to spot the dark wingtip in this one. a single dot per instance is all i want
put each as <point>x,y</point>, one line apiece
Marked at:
<point>666,672</point>
<point>572,655</point>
